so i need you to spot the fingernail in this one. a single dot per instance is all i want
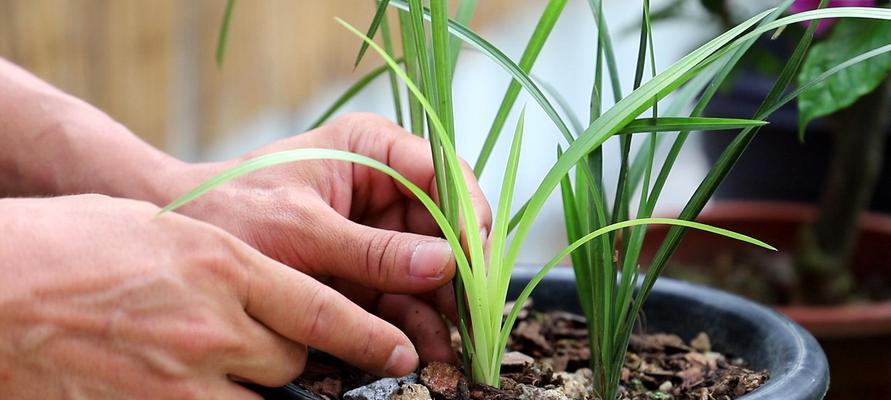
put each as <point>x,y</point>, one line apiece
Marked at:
<point>402,361</point>
<point>430,259</point>
<point>484,234</point>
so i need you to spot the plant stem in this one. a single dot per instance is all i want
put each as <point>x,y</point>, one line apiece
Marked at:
<point>394,81</point>
<point>826,244</point>
<point>409,53</point>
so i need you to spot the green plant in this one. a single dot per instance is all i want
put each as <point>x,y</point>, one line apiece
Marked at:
<point>609,300</point>
<point>854,100</point>
<point>483,277</point>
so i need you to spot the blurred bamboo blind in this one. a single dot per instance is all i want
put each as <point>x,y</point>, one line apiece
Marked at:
<point>150,64</point>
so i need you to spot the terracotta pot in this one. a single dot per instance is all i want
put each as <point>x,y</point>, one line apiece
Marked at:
<point>857,337</point>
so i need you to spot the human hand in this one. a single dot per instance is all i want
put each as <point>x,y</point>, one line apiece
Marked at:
<point>101,298</point>
<point>348,225</point>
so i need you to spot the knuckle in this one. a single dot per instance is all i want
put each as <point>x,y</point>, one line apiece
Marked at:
<point>219,259</point>
<point>94,196</point>
<point>206,338</point>
<point>317,311</point>
<point>184,390</point>
<point>372,337</point>
<point>363,130</point>
<point>465,165</point>
<point>381,252</point>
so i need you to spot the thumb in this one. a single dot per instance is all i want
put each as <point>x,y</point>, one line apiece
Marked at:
<point>385,260</point>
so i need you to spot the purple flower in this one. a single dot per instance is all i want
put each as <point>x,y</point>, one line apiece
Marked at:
<point>826,24</point>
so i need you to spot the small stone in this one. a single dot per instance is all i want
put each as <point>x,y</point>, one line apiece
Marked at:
<point>442,379</point>
<point>657,342</point>
<point>712,359</point>
<point>665,386</point>
<point>701,343</point>
<point>528,392</point>
<point>692,376</point>
<point>411,391</point>
<point>577,385</point>
<point>328,387</point>
<point>531,331</point>
<point>380,389</point>
<point>558,363</point>
<point>507,383</point>
<point>633,361</point>
<point>516,359</point>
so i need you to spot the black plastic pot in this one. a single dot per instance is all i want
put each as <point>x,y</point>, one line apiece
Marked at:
<point>736,326</point>
<point>739,327</point>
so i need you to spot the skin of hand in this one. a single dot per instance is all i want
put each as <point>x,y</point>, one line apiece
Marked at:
<point>348,225</point>
<point>103,298</point>
<point>340,223</point>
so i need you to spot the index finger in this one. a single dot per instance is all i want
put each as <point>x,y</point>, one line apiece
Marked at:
<point>306,311</point>
<point>410,155</point>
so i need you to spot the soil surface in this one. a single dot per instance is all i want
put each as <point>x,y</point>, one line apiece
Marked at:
<point>547,360</point>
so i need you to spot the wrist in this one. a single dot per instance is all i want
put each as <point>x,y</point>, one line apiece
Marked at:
<point>95,154</point>
<point>56,144</point>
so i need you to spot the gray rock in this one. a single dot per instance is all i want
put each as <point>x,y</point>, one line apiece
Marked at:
<point>380,389</point>
<point>411,391</point>
<point>528,392</point>
<point>577,385</point>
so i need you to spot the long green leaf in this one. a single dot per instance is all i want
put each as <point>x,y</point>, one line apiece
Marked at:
<point>497,269</point>
<point>468,36</point>
<point>223,36</point>
<point>613,120</point>
<point>409,52</point>
<point>442,64</point>
<point>428,88</point>
<point>524,295</point>
<point>605,40</point>
<point>533,48</point>
<point>394,81</point>
<point>681,100</point>
<point>475,281</point>
<point>463,16</point>
<point>728,158</point>
<point>499,231</point>
<point>674,124</point>
<point>665,82</point>
<point>379,15</point>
